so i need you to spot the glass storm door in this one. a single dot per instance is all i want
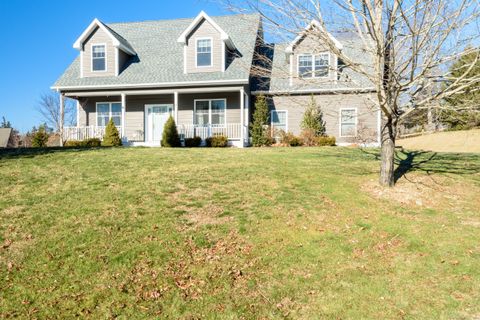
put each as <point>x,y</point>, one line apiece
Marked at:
<point>156,117</point>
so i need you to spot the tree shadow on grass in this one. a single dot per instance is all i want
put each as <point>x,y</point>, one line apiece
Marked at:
<point>432,162</point>
<point>15,153</point>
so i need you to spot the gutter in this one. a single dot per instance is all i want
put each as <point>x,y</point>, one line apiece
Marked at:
<point>320,91</point>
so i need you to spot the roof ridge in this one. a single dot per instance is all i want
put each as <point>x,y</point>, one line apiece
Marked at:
<point>179,19</point>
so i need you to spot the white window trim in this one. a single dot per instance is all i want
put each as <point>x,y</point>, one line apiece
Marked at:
<point>196,52</point>
<point>209,110</point>
<point>340,122</point>
<point>313,65</point>
<point>109,111</point>
<point>286,118</point>
<point>91,57</point>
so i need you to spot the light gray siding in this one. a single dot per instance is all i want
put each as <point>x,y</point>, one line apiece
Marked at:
<point>204,30</point>
<point>331,105</point>
<point>98,37</point>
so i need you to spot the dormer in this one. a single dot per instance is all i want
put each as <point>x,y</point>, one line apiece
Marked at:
<point>310,57</point>
<point>103,52</point>
<point>206,46</point>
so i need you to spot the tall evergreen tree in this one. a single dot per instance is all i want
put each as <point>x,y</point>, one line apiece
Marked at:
<point>5,123</point>
<point>313,118</point>
<point>465,111</point>
<point>258,128</point>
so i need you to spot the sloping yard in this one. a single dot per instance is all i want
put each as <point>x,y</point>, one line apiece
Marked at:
<point>226,234</point>
<point>447,141</point>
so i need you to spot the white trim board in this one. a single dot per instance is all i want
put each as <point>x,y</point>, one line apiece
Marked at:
<point>153,85</point>
<point>203,16</point>
<point>97,23</point>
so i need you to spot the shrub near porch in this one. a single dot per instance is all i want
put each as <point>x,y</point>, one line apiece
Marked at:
<point>231,233</point>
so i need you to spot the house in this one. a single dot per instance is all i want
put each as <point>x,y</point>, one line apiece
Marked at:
<point>201,71</point>
<point>6,138</point>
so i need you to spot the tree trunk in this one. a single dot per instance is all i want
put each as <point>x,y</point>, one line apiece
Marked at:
<point>389,131</point>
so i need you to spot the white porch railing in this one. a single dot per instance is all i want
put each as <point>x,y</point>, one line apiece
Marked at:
<point>82,133</point>
<point>230,130</point>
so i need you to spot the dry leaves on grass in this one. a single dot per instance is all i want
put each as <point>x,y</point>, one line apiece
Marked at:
<point>422,191</point>
<point>193,270</point>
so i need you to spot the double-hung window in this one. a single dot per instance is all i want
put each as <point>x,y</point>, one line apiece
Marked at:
<point>210,112</point>
<point>348,122</point>
<point>204,52</point>
<point>278,120</point>
<point>314,65</point>
<point>98,58</point>
<point>107,111</point>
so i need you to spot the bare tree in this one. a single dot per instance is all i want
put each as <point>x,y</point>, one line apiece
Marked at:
<point>49,108</point>
<point>410,44</point>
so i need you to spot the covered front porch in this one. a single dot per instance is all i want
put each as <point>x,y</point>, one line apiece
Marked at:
<point>140,115</point>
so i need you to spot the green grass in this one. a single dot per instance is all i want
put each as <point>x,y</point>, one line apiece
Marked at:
<point>229,233</point>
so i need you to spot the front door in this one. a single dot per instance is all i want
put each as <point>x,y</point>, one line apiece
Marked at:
<point>155,118</point>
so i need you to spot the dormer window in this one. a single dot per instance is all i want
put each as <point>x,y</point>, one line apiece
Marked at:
<point>98,58</point>
<point>204,52</point>
<point>314,65</point>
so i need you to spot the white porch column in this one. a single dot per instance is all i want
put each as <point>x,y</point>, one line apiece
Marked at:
<point>78,113</point>
<point>124,106</point>
<point>175,106</point>
<point>62,117</point>
<point>242,117</point>
<point>247,108</point>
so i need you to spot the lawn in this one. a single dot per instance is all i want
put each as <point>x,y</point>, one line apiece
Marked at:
<point>299,233</point>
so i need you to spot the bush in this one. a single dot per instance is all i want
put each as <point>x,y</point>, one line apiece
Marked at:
<point>289,139</point>
<point>309,138</point>
<point>73,144</point>
<point>87,143</point>
<point>40,138</point>
<point>112,136</point>
<point>259,127</point>
<point>219,141</point>
<point>92,143</point>
<point>193,142</point>
<point>326,141</point>
<point>170,137</point>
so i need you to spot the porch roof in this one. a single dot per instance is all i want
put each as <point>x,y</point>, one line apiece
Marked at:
<point>159,58</point>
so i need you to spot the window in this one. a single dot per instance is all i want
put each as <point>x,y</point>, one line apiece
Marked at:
<point>314,66</point>
<point>107,111</point>
<point>305,66</point>
<point>204,52</point>
<point>321,65</point>
<point>278,120</point>
<point>98,58</point>
<point>348,122</point>
<point>210,112</point>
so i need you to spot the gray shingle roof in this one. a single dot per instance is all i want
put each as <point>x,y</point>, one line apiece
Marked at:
<point>160,58</point>
<point>280,74</point>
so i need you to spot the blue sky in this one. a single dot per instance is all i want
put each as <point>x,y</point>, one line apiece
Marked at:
<point>37,38</point>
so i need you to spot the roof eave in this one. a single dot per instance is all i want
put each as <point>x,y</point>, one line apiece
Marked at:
<point>97,23</point>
